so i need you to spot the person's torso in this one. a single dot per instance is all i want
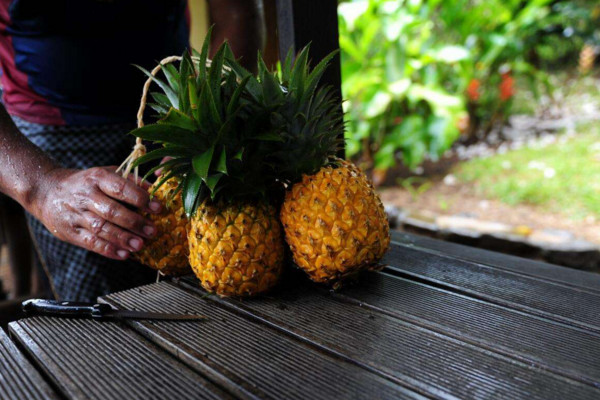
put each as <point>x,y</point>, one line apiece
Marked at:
<point>70,61</point>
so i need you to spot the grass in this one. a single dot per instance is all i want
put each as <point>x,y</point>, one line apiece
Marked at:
<point>561,177</point>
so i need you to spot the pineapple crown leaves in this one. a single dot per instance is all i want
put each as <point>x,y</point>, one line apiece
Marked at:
<point>231,134</point>
<point>306,119</point>
<point>206,125</point>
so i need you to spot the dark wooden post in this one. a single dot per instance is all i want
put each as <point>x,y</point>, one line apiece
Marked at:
<point>300,22</point>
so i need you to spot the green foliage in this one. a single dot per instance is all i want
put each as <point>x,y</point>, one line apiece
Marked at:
<point>414,69</point>
<point>500,37</point>
<point>393,70</point>
<point>232,135</point>
<point>570,25</point>
<point>209,125</point>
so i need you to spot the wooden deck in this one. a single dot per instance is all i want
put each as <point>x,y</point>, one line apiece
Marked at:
<point>440,321</point>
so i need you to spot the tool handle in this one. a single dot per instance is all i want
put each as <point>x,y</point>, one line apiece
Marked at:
<point>65,309</point>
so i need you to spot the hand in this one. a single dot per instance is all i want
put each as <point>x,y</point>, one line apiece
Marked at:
<point>89,209</point>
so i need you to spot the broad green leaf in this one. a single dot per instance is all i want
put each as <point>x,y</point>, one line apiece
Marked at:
<point>172,76</point>
<point>216,74</point>
<point>161,99</point>
<point>160,154</point>
<point>204,56</point>
<point>240,71</point>
<point>286,69</point>
<point>202,162</point>
<point>193,97</point>
<point>186,70</point>
<point>171,94</point>
<point>385,157</point>
<point>272,93</point>
<point>158,108</point>
<point>452,54</point>
<point>239,154</point>
<point>400,87</point>
<point>190,192</point>
<point>212,181</point>
<point>378,104</point>
<point>315,76</point>
<point>222,165</point>
<point>162,133</point>
<point>168,166</point>
<point>438,98</point>
<point>177,118</point>
<point>235,97</point>
<point>208,102</point>
<point>299,71</point>
<point>262,67</point>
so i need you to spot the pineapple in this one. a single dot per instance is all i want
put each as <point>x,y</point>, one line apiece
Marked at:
<point>335,223</point>
<point>240,248</point>
<point>333,219</point>
<point>168,251</point>
<point>217,138</point>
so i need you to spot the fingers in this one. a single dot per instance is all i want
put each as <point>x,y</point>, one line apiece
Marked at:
<point>92,242</point>
<point>139,181</point>
<point>117,214</point>
<point>125,190</point>
<point>121,238</point>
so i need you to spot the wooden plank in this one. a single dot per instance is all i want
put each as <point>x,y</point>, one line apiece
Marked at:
<point>538,342</point>
<point>559,302</point>
<point>233,350</point>
<point>363,334</point>
<point>435,365</point>
<point>88,359</point>
<point>527,267</point>
<point>18,378</point>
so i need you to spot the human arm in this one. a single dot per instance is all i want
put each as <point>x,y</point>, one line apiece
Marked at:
<point>83,207</point>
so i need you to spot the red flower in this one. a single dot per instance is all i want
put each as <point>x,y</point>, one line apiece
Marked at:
<point>507,87</point>
<point>473,90</point>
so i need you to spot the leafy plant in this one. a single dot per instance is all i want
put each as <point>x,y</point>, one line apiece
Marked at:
<point>398,100</point>
<point>418,73</point>
<point>500,36</point>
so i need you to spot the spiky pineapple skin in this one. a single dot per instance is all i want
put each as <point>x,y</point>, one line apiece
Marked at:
<point>236,249</point>
<point>168,251</point>
<point>335,223</point>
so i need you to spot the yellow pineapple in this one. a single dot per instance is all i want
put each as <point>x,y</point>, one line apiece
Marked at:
<point>217,139</point>
<point>335,223</point>
<point>332,217</point>
<point>237,248</point>
<point>168,251</point>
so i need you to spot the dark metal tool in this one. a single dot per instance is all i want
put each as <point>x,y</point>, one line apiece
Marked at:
<point>69,309</point>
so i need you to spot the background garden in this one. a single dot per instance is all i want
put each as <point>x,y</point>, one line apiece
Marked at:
<point>483,110</point>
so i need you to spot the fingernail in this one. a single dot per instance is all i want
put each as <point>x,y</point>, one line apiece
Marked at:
<point>122,253</point>
<point>135,243</point>
<point>148,230</point>
<point>154,206</point>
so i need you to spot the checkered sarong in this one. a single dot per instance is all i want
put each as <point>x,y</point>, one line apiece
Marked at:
<point>77,274</point>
